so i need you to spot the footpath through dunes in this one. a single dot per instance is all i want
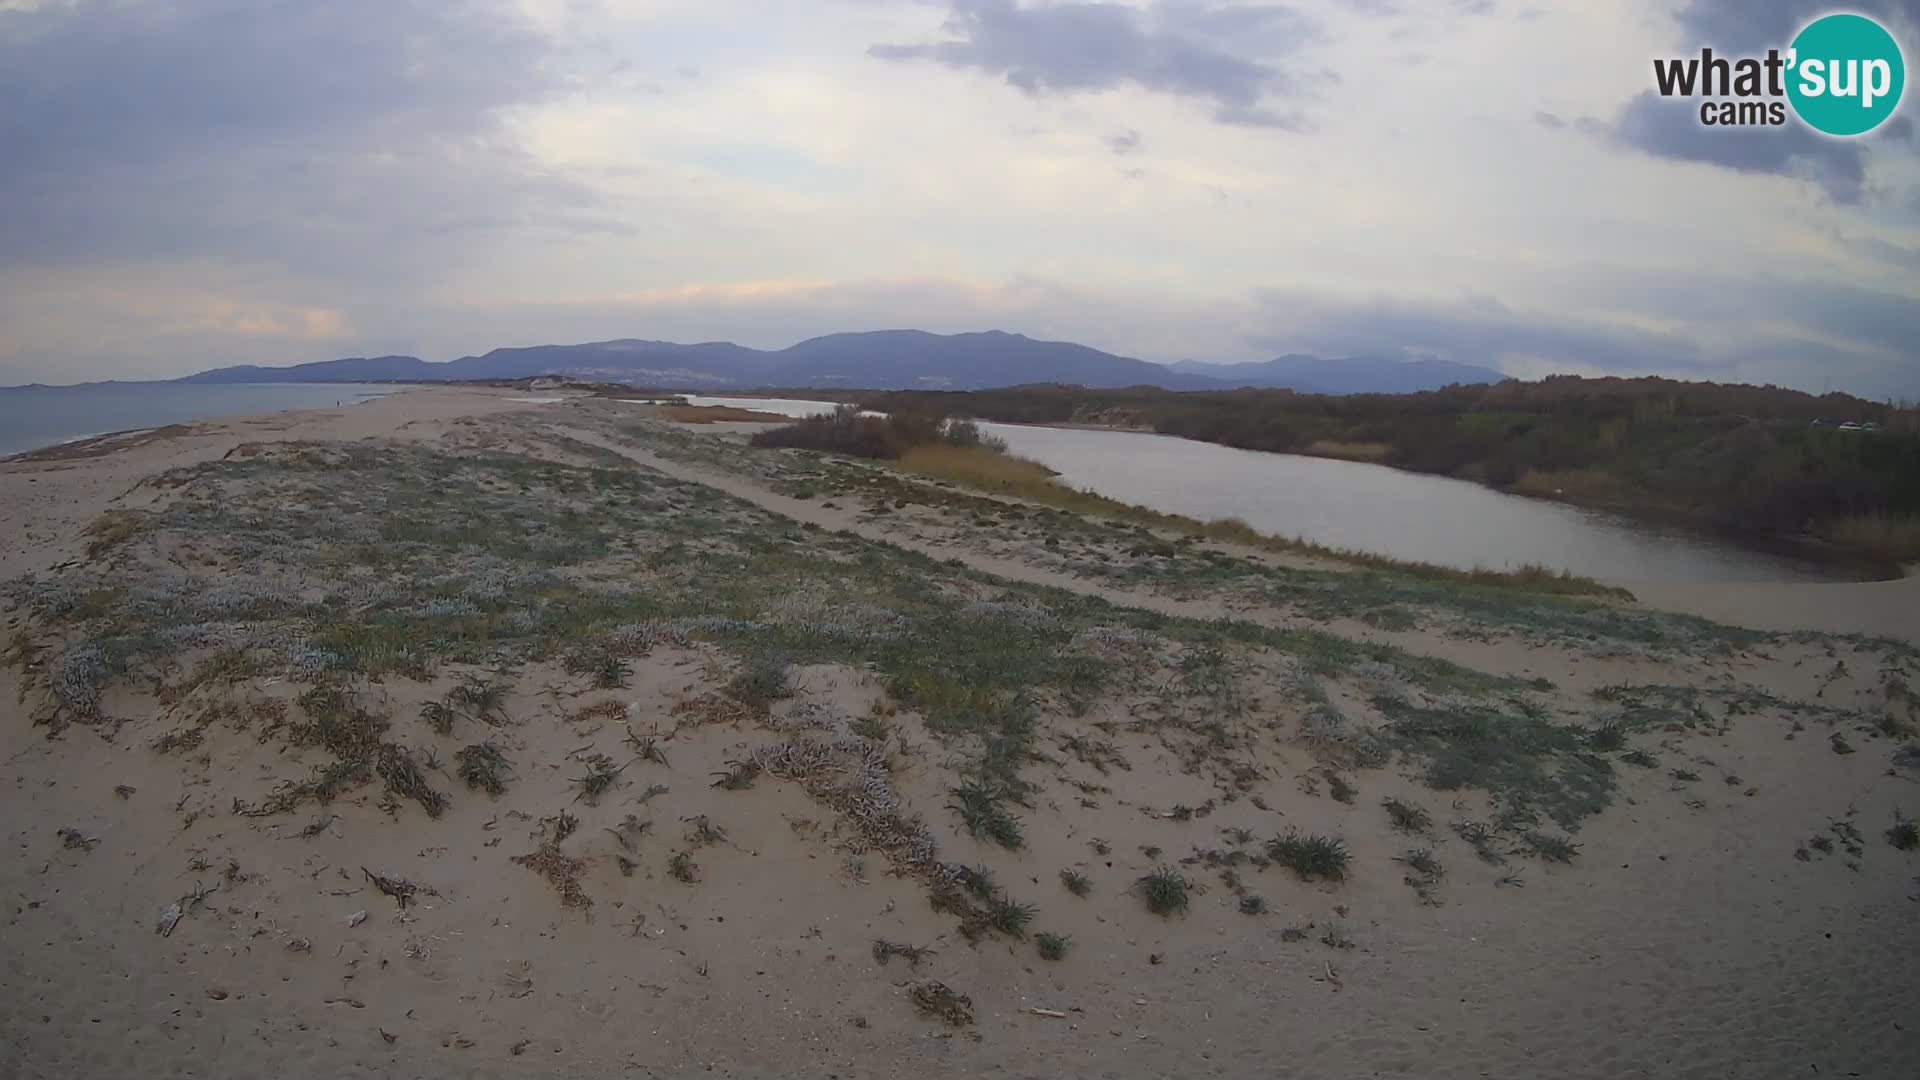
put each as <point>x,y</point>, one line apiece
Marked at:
<point>538,743</point>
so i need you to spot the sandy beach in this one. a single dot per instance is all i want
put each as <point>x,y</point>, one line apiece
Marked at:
<point>765,726</point>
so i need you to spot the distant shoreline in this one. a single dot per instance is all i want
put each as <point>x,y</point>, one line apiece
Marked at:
<point>41,419</point>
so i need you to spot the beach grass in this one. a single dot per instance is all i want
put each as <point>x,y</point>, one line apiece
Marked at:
<point>1893,537</point>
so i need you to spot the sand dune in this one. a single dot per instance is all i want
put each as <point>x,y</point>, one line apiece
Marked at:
<point>816,694</point>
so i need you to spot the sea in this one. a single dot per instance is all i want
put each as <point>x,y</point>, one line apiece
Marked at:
<point>32,417</point>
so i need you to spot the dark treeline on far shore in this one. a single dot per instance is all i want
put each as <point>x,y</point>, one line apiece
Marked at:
<point>1747,459</point>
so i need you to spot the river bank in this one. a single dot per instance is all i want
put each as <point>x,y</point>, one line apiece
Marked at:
<point>1758,464</point>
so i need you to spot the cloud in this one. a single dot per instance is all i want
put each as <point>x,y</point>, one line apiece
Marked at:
<point>1124,142</point>
<point>1753,26</point>
<point>1184,48</point>
<point>1480,330</point>
<point>1671,129</point>
<point>274,130</point>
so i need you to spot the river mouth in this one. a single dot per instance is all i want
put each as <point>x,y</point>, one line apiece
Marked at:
<point>1380,510</point>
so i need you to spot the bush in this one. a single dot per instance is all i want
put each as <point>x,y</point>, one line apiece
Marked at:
<point>846,431</point>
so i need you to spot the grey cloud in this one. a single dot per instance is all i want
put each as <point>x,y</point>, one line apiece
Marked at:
<point>1756,25</point>
<point>270,130</point>
<point>1868,318</point>
<point>1184,48</point>
<point>1585,125</point>
<point>1800,333</point>
<point>1671,129</point>
<point>1124,142</point>
<point>1478,330</point>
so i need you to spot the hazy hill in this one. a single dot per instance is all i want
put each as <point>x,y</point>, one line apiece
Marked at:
<point>1349,375</point>
<point>886,359</point>
<point>880,360</point>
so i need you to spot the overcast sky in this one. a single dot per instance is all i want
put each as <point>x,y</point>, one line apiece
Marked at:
<point>191,183</point>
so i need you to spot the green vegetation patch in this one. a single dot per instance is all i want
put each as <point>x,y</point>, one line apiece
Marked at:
<point>1528,764</point>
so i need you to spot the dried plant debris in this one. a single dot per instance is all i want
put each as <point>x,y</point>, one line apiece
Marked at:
<point>938,1001</point>
<point>557,827</point>
<point>402,890</point>
<point>439,716</point>
<point>74,838</point>
<point>738,776</point>
<point>646,747</point>
<point>682,868</point>
<point>404,777</point>
<point>702,832</point>
<point>884,950</point>
<point>630,830</point>
<point>484,767</point>
<point>601,776</point>
<point>561,870</point>
<point>849,775</point>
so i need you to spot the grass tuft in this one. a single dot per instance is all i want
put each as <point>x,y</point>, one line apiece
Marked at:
<point>1008,917</point>
<point>981,805</point>
<point>1076,882</point>
<point>977,880</point>
<point>760,684</point>
<point>1166,891</point>
<point>1312,857</point>
<point>1406,817</point>
<point>481,698</point>
<point>1051,946</point>
<point>1905,833</point>
<point>738,776</point>
<point>1551,848</point>
<point>601,776</point>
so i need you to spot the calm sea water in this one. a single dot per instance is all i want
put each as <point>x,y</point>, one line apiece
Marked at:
<point>36,416</point>
<point>1373,508</point>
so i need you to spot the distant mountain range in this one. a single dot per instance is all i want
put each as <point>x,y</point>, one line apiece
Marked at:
<point>880,360</point>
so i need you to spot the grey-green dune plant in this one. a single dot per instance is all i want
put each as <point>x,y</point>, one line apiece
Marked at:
<point>1313,857</point>
<point>1166,891</point>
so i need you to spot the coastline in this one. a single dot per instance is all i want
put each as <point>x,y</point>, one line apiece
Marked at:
<point>39,417</point>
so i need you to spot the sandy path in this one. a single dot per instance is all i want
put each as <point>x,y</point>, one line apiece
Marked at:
<point>1875,608</point>
<point>1506,656</point>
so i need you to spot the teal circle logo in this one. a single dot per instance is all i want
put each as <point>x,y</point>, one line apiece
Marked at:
<point>1845,74</point>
